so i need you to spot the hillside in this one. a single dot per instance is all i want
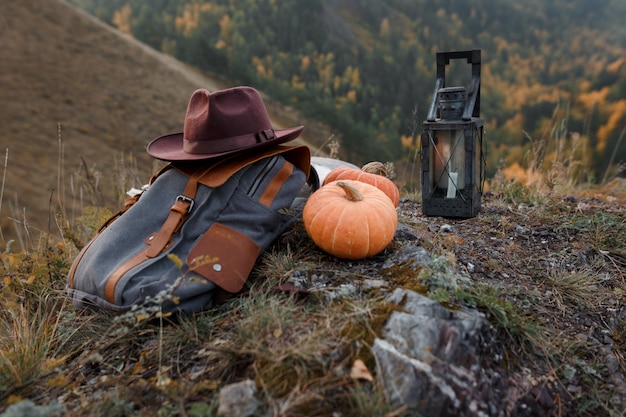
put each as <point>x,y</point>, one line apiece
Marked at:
<point>70,82</point>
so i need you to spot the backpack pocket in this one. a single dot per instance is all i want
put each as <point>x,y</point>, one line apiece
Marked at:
<point>224,256</point>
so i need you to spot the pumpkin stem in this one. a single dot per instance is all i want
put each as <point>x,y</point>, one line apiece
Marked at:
<point>375,167</point>
<point>378,168</point>
<point>352,193</point>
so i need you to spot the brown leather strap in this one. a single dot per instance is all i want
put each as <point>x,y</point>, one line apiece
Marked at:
<point>109,288</point>
<point>274,186</point>
<point>178,214</point>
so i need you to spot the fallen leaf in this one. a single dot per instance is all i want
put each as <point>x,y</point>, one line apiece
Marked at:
<point>360,371</point>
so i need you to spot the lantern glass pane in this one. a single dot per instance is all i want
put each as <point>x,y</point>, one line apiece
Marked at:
<point>448,162</point>
<point>479,167</point>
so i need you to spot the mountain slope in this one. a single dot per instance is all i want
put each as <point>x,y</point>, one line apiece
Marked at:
<point>70,82</point>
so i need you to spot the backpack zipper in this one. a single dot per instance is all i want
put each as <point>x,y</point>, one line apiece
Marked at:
<point>269,166</point>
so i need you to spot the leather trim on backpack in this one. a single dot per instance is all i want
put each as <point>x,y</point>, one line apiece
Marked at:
<point>275,185</point>
<point>224,256</point>
<point>222,170</point>
<point>113,279</point>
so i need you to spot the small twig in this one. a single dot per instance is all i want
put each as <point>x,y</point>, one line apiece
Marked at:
<point>324,144</point>
<point>4,176</point>
<point>617,145</point>
<point>59,172</point>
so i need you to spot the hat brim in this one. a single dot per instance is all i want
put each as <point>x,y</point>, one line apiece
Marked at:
<point>170,147</point>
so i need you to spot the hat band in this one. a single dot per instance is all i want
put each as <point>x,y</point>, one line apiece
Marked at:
<point>231,144</point>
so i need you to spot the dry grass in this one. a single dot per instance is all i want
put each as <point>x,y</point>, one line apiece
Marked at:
<point>299,348</point>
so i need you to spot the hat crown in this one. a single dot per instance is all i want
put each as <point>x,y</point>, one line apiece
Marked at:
<point>225,114</point>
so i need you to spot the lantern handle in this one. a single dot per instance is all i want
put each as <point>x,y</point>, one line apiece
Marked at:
<point>472,108</point>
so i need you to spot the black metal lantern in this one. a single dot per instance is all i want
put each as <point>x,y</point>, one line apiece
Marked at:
<point>453,164</point>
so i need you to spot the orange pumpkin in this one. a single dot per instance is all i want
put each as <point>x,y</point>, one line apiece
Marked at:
<point>373,173</point>
<point>350,219</point>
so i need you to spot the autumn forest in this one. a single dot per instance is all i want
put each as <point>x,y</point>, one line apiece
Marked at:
<point>367,67</point>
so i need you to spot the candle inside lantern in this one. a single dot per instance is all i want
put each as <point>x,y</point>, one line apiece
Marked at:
<point>449,161</point>
<point>452,181</point>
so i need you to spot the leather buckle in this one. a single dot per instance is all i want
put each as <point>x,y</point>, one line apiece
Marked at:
<point>185,199</point>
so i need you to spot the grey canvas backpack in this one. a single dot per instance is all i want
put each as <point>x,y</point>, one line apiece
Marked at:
<point>193,235</point>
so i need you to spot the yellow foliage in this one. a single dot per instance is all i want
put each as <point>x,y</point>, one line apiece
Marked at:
<point>297,83</point>
<point>336,83</point>
<point>501,44</point>
<point>384,27</point>
<point>355,78</point>
<point>618,115</point>
<point>8,260</point>
<point>522,175</point>
<point>190,17</point>
<point>225,28</point>
<point>615,66</point>
<point>514,123</point>
<point>121,19</point>
<point>585,85</point>
<point>13,399</point>
<point>324,66</point>
<point>260,67</point>
<point>186,22</point>
<point>305,63</point>
<point>534,93</point>
<point>60,380</point>
<point>408,142</point>
<point>593,98</point>
<point>177,261</point>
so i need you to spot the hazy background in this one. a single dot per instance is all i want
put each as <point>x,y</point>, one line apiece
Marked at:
<point>81,96</point>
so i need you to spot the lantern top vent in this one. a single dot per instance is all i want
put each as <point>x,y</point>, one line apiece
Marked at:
<point>453,103</point>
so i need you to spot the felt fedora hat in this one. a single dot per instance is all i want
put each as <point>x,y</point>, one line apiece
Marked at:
<point>221,123</point>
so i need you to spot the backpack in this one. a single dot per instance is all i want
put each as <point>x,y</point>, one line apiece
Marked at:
<point>194,235</point>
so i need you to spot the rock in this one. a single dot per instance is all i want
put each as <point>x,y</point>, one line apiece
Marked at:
<point>426,330</point>
<point>373,284</point>
<point>409,381</point>
<point>427,359</point>
<point>238,400</point>
<point>27,408</point>
<point>414,256</point>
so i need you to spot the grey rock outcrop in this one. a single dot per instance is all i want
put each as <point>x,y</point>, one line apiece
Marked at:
<point>427,359</point>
